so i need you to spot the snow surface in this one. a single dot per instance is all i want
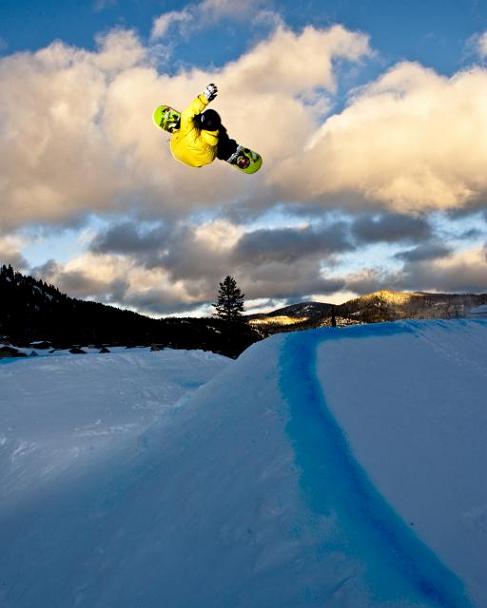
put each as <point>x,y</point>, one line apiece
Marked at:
<point>59,411</point>
<point>478,311</point>
<point>334,467</point>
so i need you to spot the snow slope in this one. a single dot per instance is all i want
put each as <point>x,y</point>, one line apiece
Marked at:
<point>335,467</point>
<point>60,411</point>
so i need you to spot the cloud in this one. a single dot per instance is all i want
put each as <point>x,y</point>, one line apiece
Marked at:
<point>195,17</point>
<point>428,251</point>
<point>279,263</point>
<point>287,245</point>
<point>180,271</point>
<point>10,252</point>
<point>230,8</point>
<point>369,280</point>
<point>76,134</point>
<point>165,269</point>
<point>163,24</point>
<point>300,64</point>
<point>480,44</point>
<point>128,238</point>
<point>114,279</point>
<point>188,252</point>
<point>121,280</point>
<point>461,272</point>
<point>161,302</point>
<point>457,272</point>
<point>56,157</point>
<point>79,281</point>
<point>76,139</point>
<point>278,280</point>
<point>390,228</point>
<point>411,141</point>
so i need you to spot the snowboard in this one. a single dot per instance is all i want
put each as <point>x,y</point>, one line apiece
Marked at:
<point>168,119</point>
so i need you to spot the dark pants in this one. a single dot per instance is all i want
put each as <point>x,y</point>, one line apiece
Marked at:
<point>226,146</point>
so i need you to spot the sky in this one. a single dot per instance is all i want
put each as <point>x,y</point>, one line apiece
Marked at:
<point>370,117</point>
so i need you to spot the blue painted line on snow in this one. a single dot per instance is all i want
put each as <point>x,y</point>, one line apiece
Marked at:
<point>399,565</point>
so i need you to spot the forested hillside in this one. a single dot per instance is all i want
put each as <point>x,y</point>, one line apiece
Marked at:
<point>32,310</point>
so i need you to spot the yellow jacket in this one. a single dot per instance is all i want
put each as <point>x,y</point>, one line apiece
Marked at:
<point>190,145</point>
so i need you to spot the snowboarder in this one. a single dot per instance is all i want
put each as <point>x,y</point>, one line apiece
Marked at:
<point>198,136</point>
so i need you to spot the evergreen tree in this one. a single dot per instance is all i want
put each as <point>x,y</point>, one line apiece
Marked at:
<point>230,302</point>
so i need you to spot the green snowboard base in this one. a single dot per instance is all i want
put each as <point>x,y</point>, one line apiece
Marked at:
<point>168,119</point>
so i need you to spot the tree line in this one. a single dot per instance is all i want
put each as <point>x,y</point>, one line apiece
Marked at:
<point>32,310</point>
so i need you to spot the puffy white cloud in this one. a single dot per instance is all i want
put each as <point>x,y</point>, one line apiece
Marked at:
<point>218,235</point>
<point>411,141</point>
<point>56,159</point>
<point>76,138</point>
<point>76,134</point>
<point>296,64</point>
<point>112,278</point>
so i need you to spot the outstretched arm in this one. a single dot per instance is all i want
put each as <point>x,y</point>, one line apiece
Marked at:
<point>198,105</point>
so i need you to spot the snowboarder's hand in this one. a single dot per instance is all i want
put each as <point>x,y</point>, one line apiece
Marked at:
<point>210,92</point>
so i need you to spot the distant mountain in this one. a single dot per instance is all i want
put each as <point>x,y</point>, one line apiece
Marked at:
<point>392,305</point>
<point>308,310</point>
<point>292,318</point>
<point>31,310</point>
<point>376,307</point>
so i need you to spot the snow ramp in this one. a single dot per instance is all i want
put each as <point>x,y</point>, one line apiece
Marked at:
<point>335,467</point>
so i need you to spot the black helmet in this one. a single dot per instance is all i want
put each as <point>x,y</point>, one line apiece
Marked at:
<point>210,120</point>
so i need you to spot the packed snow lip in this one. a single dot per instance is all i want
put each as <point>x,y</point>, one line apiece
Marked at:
<point>267,485</point>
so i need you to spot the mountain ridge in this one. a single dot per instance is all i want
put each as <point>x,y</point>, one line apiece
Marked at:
<point>31,310</point>
<point>379,306</point>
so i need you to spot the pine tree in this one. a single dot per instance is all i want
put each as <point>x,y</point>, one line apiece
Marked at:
<point>230,302</point>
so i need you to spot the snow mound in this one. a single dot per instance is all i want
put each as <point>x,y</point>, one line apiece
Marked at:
<point>335,467</point>
<point>59,412</point>
<point>479,312</point>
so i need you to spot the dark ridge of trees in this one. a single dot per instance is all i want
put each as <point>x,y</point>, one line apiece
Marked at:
<point>31,310</point>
